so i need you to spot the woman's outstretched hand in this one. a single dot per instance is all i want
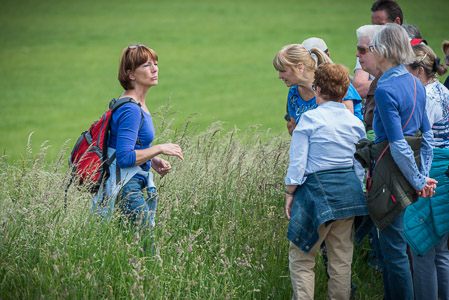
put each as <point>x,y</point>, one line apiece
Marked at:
<point>172,150</point>
<point>144,155</point>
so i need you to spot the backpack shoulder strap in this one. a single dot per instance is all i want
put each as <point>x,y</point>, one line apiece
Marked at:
<point>116,103</point>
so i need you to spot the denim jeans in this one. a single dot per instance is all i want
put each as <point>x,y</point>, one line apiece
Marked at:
<point>431,272</point>
<point>375,255</point>
<point>397,275</point>
<point>135,206</point>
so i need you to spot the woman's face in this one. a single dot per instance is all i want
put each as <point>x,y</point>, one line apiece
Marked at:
<point>146,75</point>
<point>365,56</point>
<point>289,76</point>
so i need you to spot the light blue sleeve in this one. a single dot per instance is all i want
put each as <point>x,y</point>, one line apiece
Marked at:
<point>359,170</point>
<point>426,152</point>
<point>299,151</point>
<point>356,101</point>
<point>353,94</point>
<point>404,158</point>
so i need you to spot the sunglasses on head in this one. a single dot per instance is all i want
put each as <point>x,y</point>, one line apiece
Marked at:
<point>134,47</point>
<point>362,50</point>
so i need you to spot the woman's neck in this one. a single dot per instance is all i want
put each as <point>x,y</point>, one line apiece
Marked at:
<point>305,89</point>
<point>427,80</point>
<point>306,92</point>
<point>138,94</point>
<point>386,65</point>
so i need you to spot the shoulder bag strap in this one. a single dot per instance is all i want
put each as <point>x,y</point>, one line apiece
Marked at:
<point>413,110</point>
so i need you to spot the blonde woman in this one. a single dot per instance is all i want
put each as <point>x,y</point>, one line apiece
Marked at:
<point>296,66</point>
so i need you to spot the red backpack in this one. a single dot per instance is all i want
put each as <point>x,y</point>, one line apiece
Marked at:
<point>89,158</point>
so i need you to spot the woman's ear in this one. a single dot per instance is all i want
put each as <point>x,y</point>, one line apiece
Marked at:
<point>130,74</point>
<point>420,70</point>
<point>300,68</point>
<point>318,91</point>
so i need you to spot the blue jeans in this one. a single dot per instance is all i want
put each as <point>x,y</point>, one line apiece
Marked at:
<point>375,255</point>
<point>431,272</point>
<point>135,206</point>
<point>397,276</point>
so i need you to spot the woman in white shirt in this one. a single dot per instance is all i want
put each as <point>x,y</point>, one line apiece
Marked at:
<point>323,192</point>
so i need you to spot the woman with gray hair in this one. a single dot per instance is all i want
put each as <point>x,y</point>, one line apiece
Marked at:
<point>364,36</point>
<point>398,117</point>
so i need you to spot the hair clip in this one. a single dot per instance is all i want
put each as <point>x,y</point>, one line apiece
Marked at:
<point>436,64</point>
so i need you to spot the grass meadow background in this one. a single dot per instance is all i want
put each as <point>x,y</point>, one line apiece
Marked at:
<point>59,59</point>
<point>221,228</point>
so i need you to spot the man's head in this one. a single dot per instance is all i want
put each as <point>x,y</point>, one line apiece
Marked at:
<point>386,11</point>
<point>365,35</point>
<point>412,31</point>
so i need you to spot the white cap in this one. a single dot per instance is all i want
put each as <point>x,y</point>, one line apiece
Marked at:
<point>315,42</point>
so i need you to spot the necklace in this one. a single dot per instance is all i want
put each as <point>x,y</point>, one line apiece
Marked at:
<point>431,80</point>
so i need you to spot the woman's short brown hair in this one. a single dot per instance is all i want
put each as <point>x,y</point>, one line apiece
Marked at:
<point>333,81</point>
<point>132,57</point>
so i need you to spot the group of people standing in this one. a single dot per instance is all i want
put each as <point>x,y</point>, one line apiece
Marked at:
<point>377,165</point>
<point>394,112</point>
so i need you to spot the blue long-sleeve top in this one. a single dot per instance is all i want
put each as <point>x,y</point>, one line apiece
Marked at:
<point>395,98</point>
<point>125,125</point>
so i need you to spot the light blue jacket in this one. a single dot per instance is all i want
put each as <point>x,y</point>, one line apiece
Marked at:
<point>103,202</point>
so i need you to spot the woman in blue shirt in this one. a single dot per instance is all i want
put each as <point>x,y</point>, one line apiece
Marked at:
<point>131,135</point>
<point>400,111</point>
<point>296,67</point>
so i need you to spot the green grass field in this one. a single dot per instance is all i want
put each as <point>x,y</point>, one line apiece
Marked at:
<point>220,233</point>
<point>59,59</point>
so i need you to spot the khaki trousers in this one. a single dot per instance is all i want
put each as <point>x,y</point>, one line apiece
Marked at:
<point>339,240</point>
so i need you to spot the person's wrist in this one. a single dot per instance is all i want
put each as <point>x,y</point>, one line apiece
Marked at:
<point>288,192</point>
